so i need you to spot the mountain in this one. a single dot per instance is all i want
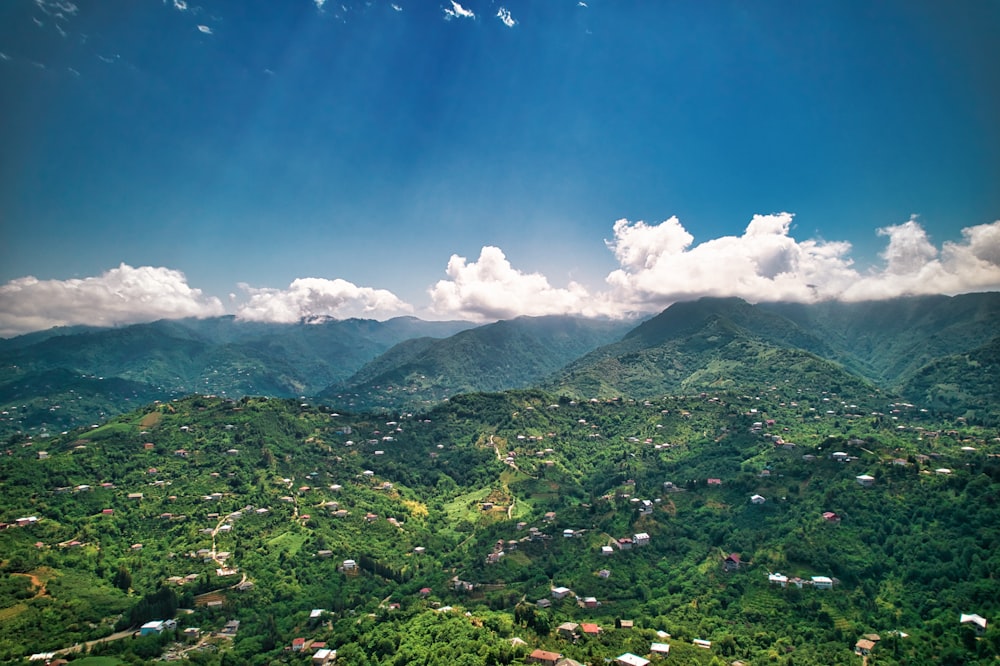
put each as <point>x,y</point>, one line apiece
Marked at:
<point>494,357</point>
<point>714,343</point>
<point>706,345</point>
<point>163,359</point>
<point>967,383</point>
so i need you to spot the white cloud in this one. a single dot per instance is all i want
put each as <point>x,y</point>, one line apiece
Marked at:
<point>205,29</point>
<point>318,297</point>
<point>319,3</point>
<point>504,15</point>
<point>123,295</point>
<point>180,5</point>
<point>660,266</point>
<point>491,288</point>
<point>457,11</point>
<point>397,7</point>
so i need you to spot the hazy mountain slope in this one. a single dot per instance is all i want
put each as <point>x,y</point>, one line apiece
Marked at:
<point>210,356</point>
<point>968,381</point>
<point>494,357</point>
<point>886,341</point>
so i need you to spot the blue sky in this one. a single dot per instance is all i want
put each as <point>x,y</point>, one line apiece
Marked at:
<point>288,158</point>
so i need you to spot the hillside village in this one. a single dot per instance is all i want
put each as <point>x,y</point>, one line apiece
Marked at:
<point>477,510</point>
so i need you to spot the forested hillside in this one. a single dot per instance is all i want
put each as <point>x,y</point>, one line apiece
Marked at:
<point>781,525</point>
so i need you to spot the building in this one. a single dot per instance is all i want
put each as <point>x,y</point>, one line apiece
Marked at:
<point>543,657</point>
<point>866,480</point>
<point>822,582</point>
<point>757,499</point>
<point>560,592</point>
<point>731,562</point>
<point>567,629</point>
<point>977,621</point>
<point>151,627</point>
<point>629,659</point>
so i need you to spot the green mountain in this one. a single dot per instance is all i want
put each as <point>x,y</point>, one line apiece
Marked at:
<point>967,383</point>
<point>442,537</point>
<point>164,359</point>
<point>495,357</point>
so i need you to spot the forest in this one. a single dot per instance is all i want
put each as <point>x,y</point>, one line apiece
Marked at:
<point>495,525</point>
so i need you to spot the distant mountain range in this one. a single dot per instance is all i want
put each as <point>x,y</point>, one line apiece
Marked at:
<point>937,350</point>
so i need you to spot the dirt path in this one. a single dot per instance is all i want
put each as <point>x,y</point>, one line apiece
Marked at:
<point>37,582</point>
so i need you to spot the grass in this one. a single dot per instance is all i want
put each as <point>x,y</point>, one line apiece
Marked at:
<point>290,542</point>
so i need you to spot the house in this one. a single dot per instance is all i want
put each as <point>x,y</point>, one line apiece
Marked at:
<point>590,629</point>
<point>560,592</point>
<point>822,582</point>
<point>641,539</point>
<point>659,649</point>
<point>646,507</point>
<point>702,643</point>
<point>757,499</point>
<point>549,516</point>
<point>298,644</point>
<point>731,563</point>
<point>629,659</point>
<point>323,657</point>
<point>863,647</point>
<point>778,579</point>
<point>568,533</point>
<point>978,622</point>
<point>588,602</point>
<point>865,480</point>
<point>151,627</point>
<point>839,456</point>
<point>543,603</point>
<point>625,543</point>
<point>607,550</point>
<point>568,662</point>
<point>567,630</point>
<point>715,482</point>
<point>543,657</point>
<point>831,517</point>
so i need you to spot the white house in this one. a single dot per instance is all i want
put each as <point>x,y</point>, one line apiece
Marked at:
<point>865,480</point>
<point>629,659</point>
<point>978,622</point>
<point>822,582</point>
<point>757,499</point>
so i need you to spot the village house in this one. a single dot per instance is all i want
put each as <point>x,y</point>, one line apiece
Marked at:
<point>640,539</point>
<point>543,657</point>
<point>831,517</point>
<point>629,659</point>
<point>561,592</point>
<point>568,630</point>
<point>757,499</point>
<point>731,563</point>
<point>659,649</point>
<point>607,550</point>
<point>822,582</point>
<point>588,602</point>
<point>590,629</point>
<point>863,647</point>
<point>865,480</point>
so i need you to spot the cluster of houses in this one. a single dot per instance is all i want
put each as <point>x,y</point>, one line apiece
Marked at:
<point>817,582</point>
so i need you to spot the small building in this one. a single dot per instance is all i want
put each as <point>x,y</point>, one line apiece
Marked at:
<point>865,480</point>
<point>588,602</point>
<point>977,621</point>
<point>543,657</point>
<point>863,647</point>
<point>151,627</point>
<point>590,629</point>
<point>778,579</point>
<point>607,550</point>
<point>629,659</point>
<point>702,643</point>
<point>831,517</point>
<point>757,499</point>
<point>567,629</point>
<point>641,539</point>
<point>323,657</point>
<point>659,649</point>
<point>298,644</point>
<point>731,562</point>
<point>560,592</point>
<point>822,582</point>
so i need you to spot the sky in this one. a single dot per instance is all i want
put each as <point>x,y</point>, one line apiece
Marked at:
<point>484,160</point>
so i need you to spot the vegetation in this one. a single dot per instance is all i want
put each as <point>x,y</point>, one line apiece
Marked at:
<point>381,535</point>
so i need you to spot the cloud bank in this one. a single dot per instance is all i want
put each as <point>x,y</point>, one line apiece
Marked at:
<point>658,265</point>
<point>308,298</point>
<point>123,295</point>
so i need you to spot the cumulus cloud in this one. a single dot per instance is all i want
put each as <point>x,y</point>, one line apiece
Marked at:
<point>660,265</point>
<point>307,298</point>
<point>205,29</point>
<point>504,15</point>
<point>457,11</point>
<point>490,288</point>
<point>123,295</point>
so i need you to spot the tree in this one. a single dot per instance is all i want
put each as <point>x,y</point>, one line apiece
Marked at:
<point>122,579</point>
